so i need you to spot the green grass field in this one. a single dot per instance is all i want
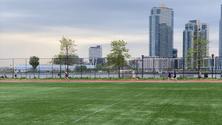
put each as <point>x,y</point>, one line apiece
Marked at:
<point>110,104</point>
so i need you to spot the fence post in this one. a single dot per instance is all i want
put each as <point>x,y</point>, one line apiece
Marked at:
<point>39,70</point>
<point>215,68</point>
<point>95,73</point>
<point>183,66</point>
<point>153,67</point>
<point>67,62</point>
<point>52,67</point>
<point>81,69</point>
<point>142,66</point>
<point>13,68</point>
<point>219,67</point>
<point>26,69</point>
<point>137,63</point>
<point>212,65</point>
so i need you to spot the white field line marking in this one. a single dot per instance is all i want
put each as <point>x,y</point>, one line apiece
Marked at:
<point>138,94</point>
<point>102,109</point>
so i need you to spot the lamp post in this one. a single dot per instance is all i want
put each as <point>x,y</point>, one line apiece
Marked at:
<point>212,65</point>
<point>13,67</point>
<point>183,67</point>
<point>142,66</point>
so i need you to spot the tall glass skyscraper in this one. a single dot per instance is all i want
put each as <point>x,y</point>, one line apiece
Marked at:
<point>161,32</point>
<point>220,35</point>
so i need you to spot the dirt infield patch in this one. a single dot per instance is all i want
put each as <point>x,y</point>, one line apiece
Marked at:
<point>108,81</point>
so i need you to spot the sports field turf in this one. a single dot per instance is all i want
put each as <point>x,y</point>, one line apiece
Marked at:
<point>110,104</point>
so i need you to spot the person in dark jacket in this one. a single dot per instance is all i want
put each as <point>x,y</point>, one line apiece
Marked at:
<point>169,75</point>
<point>66,75</point>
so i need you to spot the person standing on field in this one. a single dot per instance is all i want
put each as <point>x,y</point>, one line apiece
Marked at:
<point>66,75</point>
<point>169,75</point>
<point>175,75</point>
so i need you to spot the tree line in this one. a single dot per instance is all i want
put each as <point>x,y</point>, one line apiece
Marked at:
<point>116,59</point>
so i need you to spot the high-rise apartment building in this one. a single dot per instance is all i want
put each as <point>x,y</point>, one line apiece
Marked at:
<point>161,32</point>
<point>220,35</point>
<point>194,30</point>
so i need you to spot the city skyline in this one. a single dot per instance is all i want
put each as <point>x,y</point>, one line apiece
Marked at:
<point>36,30</point>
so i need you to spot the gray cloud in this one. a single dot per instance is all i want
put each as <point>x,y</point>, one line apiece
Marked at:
<point>112,17</point>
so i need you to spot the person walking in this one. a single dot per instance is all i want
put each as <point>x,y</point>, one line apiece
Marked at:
<point>169,75</point>
<point>66,75</point>
<point>175,75</point>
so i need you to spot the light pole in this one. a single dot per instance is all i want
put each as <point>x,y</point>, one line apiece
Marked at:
<point>67,60</point>
<point>212,65</point>
<point>183,67</point>
<point>142,66</point>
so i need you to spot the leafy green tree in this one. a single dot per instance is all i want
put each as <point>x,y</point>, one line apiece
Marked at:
<point>196,55</point>
<point>34,62</point>
<point>67,54</point>
<point>119,54</point>
<point>189,59</point>
<point>67,46</point>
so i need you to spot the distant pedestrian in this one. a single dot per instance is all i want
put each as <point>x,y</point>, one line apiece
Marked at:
<point>66,75</point>
<point>59,75</point>
<point>5,76</point>
<point>169,75</point>
<point>175,75</point>
<point>15,75</point>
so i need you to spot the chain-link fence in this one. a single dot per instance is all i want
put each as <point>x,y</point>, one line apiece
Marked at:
<point>141,67</point>
<point>181,67</point>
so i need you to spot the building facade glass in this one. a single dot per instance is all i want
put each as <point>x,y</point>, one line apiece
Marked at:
<point>161,32</point>
<point>195,30</point>
<point>220,37</point>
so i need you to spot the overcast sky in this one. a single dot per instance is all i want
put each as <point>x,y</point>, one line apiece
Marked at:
<point>34,27</point>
